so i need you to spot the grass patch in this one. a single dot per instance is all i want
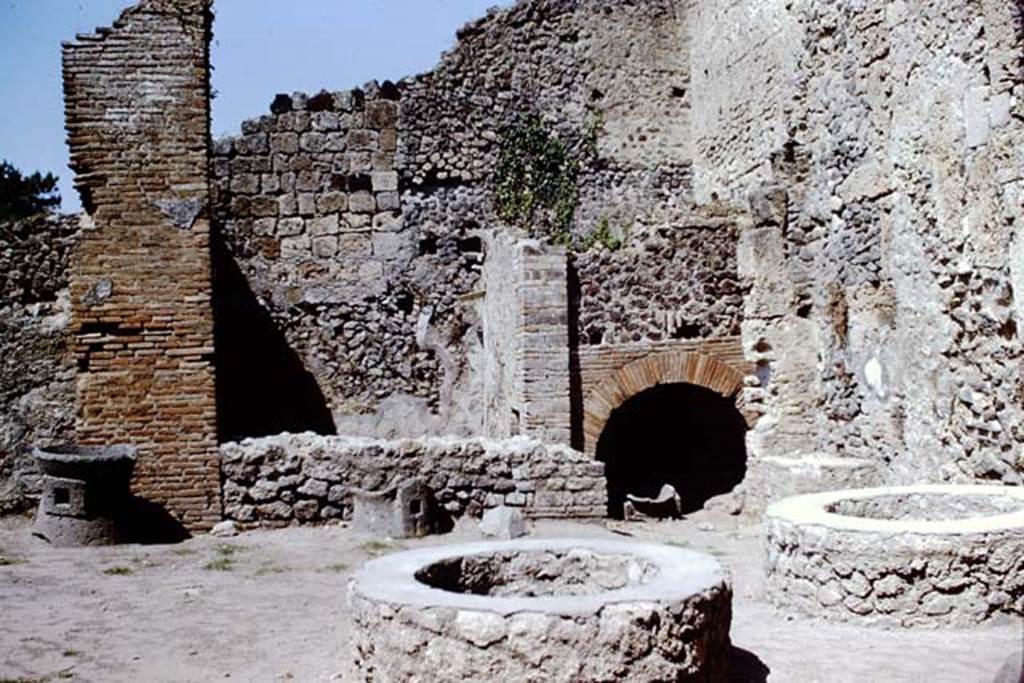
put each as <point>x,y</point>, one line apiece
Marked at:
<point>375,548</point>
<point>337,567</point>
<point>184,552</point>
<point>9,561</point>
<point>225,560</point>
<point>221,564</point>
<point>678,544</point>
<point>71,653</point>
<point>118,571</point>
<point>227,550</point>
<point>267,569</point>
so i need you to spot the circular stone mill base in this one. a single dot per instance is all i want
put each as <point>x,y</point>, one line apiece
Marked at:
<point>542,610</point>
<point>931,556</point>
<point>85,494</point>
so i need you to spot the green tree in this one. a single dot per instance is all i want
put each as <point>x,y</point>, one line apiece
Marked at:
<point>22,196</point>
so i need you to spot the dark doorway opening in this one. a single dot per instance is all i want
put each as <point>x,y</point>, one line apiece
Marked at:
<point>678,434</point>
<point>262,386</point>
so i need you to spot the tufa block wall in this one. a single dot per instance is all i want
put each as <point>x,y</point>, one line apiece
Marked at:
<point>137,108</point>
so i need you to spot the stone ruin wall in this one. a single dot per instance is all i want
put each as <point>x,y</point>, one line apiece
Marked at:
<point>37,386</point>
<point>308,204</point>
<point>863,156</point>
<point>379,291</point>
<point>137,110</point>
<point>280,480</point>
<point>673,282</point>
<point>884,251</point>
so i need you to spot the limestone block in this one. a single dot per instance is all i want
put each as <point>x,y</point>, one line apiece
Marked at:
<point>503,522</point>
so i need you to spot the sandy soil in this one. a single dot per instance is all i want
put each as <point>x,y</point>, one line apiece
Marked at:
<point>271,606</point>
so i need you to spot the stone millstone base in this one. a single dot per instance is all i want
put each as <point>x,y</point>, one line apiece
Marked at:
<point>910,556</point>
<point>71,531</point>
<point>542,610</point>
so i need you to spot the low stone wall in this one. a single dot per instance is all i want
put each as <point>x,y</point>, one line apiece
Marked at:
<point>305,478</point>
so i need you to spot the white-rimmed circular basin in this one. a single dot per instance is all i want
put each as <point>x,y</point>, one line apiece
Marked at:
<point>925,555</point>
<point>544,610</point>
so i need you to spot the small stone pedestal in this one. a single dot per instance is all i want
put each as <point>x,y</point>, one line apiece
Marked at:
<point>85,494</point>
<point>405,510</point>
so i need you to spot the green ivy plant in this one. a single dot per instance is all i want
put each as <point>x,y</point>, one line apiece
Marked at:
<point>602,235</point>
<point>536,182</point>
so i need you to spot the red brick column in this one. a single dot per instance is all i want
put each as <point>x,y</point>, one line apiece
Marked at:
<point>137,109</point>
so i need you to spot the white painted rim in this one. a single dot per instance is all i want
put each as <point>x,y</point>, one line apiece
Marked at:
<point>811,510</point>
<point>680,574</point>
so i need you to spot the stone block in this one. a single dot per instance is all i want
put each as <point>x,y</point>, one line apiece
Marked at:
<point>355,245</point>
<point>362,202</point>
<point>387,245</point>
<point>388,140</point>
<point>324,121</point>
<point>245,184</point>
<point>290,227</point>
<point>503,522</point>
<point>327,225</point>
<point>362,140</point>
<point>325,247</point>
<point>388,201</point>
<point>307,204</point>
<point>332,202</point>
<point>312,142</point>
<point>385,181</point>
<point>295,247</point>
<point>381,114</point>
<point>284,143</point>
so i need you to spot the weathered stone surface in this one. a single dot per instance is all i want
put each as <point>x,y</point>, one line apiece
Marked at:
<point>910,556</point>
<point>503,522</point>
<point>552,610</point>
<point>37,404</point>
<point>884,248</point>
<point>464,476</point>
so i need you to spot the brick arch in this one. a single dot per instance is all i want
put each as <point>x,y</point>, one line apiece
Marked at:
<point>671,367</point>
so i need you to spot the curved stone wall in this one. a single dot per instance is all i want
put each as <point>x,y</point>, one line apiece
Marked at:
<point>910,556</point>
<point>618,611</point>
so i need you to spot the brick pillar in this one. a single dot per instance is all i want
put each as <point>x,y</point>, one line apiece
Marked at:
<point>543,348</point>
<point>526,337</point>
<point>137,116</point>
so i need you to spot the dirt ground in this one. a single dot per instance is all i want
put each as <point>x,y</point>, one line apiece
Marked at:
<point>271,606</point>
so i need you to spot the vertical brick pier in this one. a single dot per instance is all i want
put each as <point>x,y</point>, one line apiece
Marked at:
<point>137,116</point>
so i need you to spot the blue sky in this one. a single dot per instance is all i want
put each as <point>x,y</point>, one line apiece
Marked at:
<point>261,47</point>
